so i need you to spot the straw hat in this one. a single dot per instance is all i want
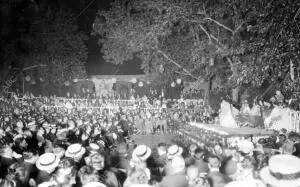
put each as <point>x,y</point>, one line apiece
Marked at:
<point>75,150</point>
<point>47,162</point>
<point>283,170</point>
<point>93,148</point>
<point>141,152</point>
<point>246,147</point>
<point>246,183</point>
<point>174,150</point>
<point>94,184</point>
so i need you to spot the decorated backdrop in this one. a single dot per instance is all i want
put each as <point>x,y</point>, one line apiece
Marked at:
<point>103,87</point>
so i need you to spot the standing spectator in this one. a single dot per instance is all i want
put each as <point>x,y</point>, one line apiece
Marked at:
<point>215,177</point>
<point>177,177</point>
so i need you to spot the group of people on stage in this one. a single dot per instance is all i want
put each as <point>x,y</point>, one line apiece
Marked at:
<point>45,145</point>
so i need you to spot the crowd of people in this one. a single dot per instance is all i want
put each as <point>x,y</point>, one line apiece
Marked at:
<point>49,142</point>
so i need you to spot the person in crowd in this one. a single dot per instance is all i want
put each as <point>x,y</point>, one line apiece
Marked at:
<point>46,164</point>
<point>215,177</point>
<point>282,170</point>
<point>190,158</point>
<point>100,163</point>
<point>176,176</point>
<point>52,146</point>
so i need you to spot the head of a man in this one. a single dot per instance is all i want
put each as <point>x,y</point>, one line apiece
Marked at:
<point>214,163</point>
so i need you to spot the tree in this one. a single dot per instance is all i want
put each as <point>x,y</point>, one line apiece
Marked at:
<point>272,50</point>
<point>196,40</point>
<point>181,35</point>
<point>58,45</point>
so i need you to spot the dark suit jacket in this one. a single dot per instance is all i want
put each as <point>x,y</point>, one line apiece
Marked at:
<point>174,180</point>
<point>218,179</point>
<point>42,176</point>
<point>31,169</point>
<point>201,165</point>
<point>4,165</point>
<point>297,150</point>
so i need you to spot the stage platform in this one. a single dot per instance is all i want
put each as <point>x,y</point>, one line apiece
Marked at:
<point>211,134</point>
<point>153,140</point>
<point>233,132</point>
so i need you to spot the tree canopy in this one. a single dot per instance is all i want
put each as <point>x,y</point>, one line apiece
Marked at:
<point>59,45</point>
<point>44,35</point>
<point>240,41</point>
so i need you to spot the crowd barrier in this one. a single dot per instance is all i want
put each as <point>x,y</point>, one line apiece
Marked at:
<point>47,107</point>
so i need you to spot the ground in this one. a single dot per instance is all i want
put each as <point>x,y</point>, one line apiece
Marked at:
<point>152,140</point>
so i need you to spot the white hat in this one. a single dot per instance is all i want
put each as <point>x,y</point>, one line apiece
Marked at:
<point>75,150</point>
<point>47,162</point>
<point>94,184</point>
<point>174,150</point>
<point>246,183</point>
<point>246,147</point>
<point>93,147</point>
<point>283,170</point>
<point>141,152</point>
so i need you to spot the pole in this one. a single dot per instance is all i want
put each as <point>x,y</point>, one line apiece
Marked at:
<point>23,85</point>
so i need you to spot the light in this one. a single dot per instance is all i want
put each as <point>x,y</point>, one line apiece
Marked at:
<point>27,78</point>
<point>67,83</point>
<point>173,84</point>
<point>134,80</point>
<point>178,81</point>
<point>148,82</point>
<point>161,68</point>
<point>211,62</point>
<point>41,79</point>
<point>141,84</point>
<point>75,80</point>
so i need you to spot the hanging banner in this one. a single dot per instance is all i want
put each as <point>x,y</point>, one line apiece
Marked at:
<point>7,84</point>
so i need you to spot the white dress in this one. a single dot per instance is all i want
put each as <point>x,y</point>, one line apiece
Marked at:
<point>226,117</point>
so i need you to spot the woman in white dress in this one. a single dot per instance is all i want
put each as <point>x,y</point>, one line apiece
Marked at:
<point>226,117</point>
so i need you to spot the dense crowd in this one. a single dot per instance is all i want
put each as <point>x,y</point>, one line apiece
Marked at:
<point>44,144</point>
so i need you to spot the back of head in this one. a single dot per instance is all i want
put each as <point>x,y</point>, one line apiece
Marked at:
<point>88,174</point>
<point>178,164</point>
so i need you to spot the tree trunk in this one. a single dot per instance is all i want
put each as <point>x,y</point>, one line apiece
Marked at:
<point>235,94</point>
